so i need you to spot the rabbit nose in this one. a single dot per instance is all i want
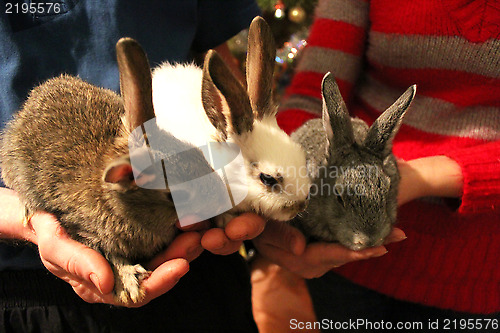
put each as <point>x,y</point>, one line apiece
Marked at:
<point>361,241</point>
<point>360,238</point>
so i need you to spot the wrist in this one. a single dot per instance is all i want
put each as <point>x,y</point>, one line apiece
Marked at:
<point>438,176</point>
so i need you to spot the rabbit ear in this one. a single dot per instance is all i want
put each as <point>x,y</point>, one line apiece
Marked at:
<point>336,118</point>
<point>119,174</point>
<point>217,76</point>
<point>260,67</point>
<point>382,132</point>
<point>212,101</point>
<point>135,82</point>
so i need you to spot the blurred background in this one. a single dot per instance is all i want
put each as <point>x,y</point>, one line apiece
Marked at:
<point>290,21</point>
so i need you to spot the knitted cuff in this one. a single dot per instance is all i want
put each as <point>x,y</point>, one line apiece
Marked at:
<point>481,174</point>
<point>291,119</point>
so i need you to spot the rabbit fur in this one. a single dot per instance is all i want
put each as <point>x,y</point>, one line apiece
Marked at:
<point>355,175</point>
<point>66,152</point>
<point>210,104</point>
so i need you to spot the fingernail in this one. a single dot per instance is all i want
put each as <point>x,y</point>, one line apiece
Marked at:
<point>379,254</point>
<point>95,280</point>
<point>396,239</point>
<point>375,252</point>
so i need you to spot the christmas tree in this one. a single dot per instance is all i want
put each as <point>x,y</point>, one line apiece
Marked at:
<point>290,21</point>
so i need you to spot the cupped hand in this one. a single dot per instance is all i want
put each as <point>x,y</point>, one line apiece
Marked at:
<point>89,273</point>
<point>286,246</point>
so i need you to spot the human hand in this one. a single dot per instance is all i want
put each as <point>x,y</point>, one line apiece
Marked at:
<point>89,273</point>
<point>229,240</point>
<point>286,246</point>
<point>429,176</point>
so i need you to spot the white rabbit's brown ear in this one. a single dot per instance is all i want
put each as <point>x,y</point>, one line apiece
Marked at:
<point>384,129</point>
<point>135,82</point>
<point>260,68</point>
<point>212,100</point>
<point>217,77</point>
<point>336,119</point>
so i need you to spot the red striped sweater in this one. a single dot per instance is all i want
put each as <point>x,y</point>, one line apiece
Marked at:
<point>451,50</point>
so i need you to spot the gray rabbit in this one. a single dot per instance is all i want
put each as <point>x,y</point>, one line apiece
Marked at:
<point>68,152</point>
<point>354,195</point>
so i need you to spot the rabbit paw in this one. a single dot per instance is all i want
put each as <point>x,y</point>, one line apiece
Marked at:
<point>128,280</point>
<point>28,214</point>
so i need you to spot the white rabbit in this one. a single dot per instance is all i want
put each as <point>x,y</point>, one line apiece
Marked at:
<point>202,105</point>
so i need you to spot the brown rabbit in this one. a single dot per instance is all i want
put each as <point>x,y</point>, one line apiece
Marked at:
<point>67,152</point>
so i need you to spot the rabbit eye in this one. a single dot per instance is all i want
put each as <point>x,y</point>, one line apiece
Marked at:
<point>268,180</point>
<point>338,195</point>
<point>340,200</point>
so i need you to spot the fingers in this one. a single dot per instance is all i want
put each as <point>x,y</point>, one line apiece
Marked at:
<point>335,255</point>
<point>216,241</point>
<point>186,245</point>
<point>67,258</point>
<point>245,226</point>
<point>161,280</point>
<point>283,236</point>
<point>90,274</point>
<point>164,278</point>
<point>228,240</point>
<point>285,246</point>
<point>396,235</point>
<point>195,226</point>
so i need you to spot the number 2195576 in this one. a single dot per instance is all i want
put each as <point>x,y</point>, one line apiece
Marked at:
<point>33,8</point>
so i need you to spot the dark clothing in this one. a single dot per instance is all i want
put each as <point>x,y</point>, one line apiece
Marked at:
<point>214,296</point>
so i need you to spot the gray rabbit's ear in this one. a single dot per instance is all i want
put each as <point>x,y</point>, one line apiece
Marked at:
<point>384,129</point>
<point>135,82</point>
<point>260,68</point>
<point>336,119</point>
<point>217,77</point>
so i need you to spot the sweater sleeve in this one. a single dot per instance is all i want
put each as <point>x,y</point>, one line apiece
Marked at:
<point>336,44</point>
<point>481,175</point>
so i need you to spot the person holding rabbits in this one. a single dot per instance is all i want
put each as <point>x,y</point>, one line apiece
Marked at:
<point>78,38</point>
<point>447,146</point>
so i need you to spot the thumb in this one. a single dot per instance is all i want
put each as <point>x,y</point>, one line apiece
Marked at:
<point>67,258</point>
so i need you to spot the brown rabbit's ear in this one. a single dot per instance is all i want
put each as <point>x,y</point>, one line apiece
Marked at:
<point>119,174</point>
<point>386,126</point>
<point>218,77</point>
<point>135,82</point>
<point>336,119</point>
<point>260,67</point>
